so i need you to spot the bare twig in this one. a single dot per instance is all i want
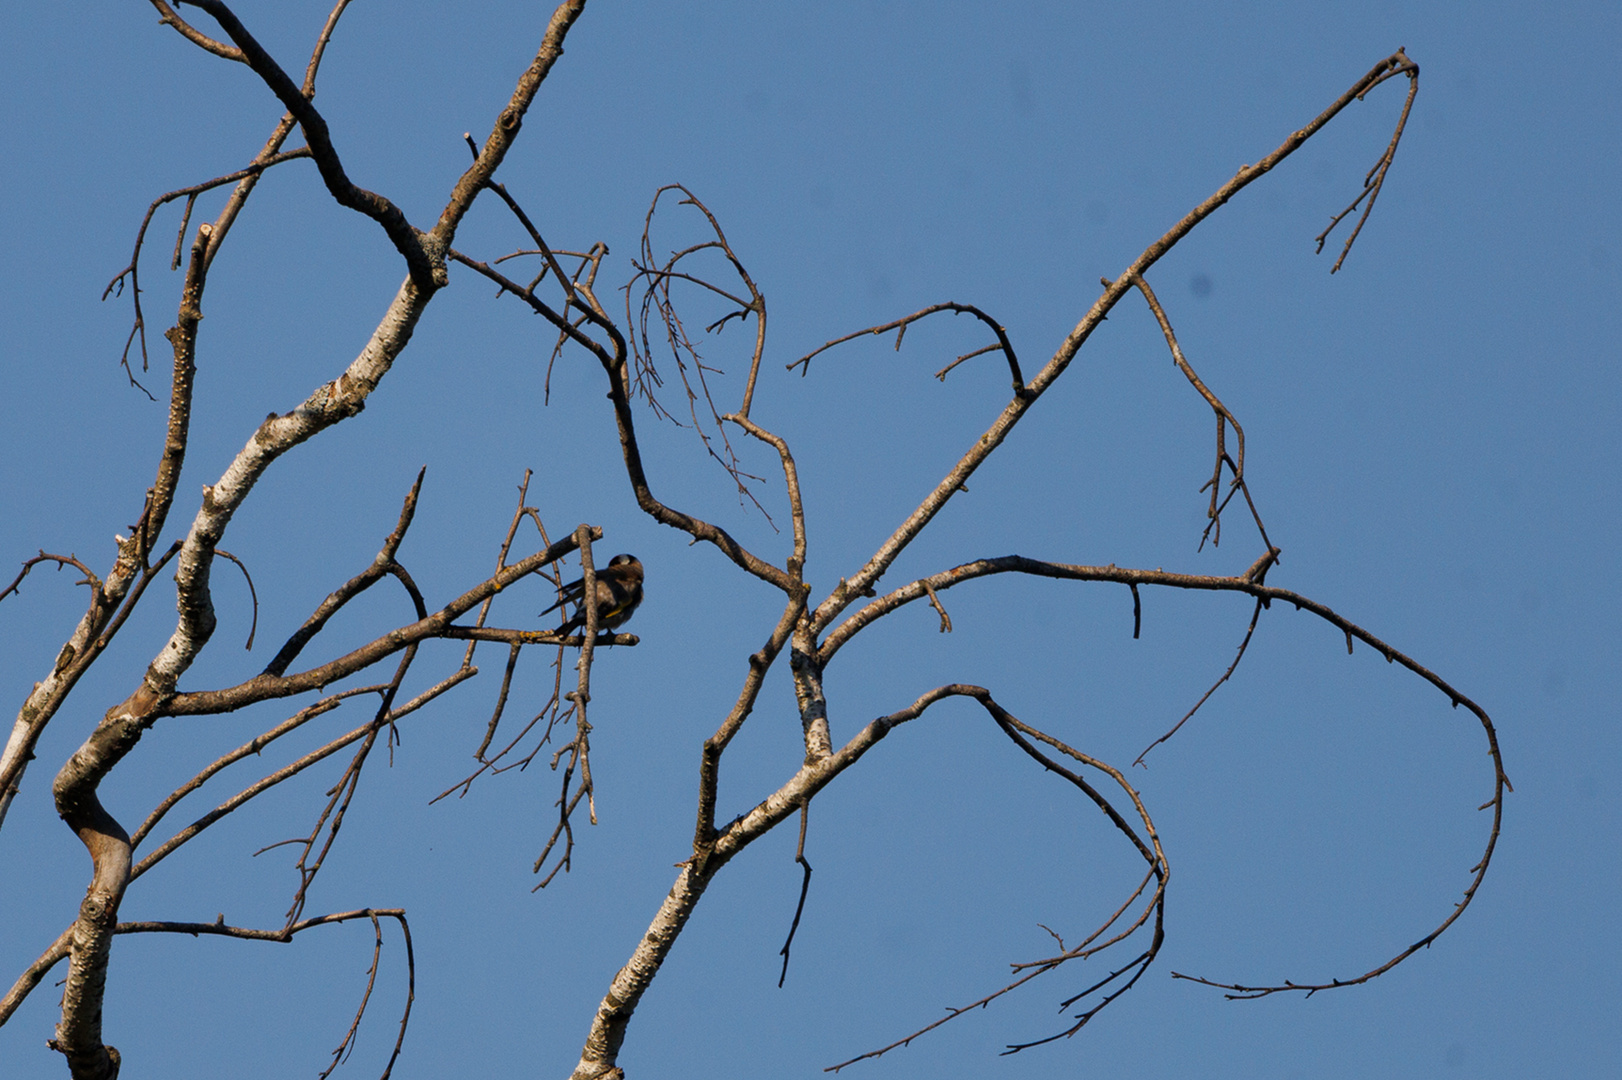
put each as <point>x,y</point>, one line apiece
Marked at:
<point>805,888</point>
<point>1224,419</point>
<point>1240,655</point>
<point>900,327</point>
<point>1399,64</point>
<point>1158,870</point>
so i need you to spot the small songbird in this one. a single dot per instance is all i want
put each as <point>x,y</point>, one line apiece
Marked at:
<point>619,591</point>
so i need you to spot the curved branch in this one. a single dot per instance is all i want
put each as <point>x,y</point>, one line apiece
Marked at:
<point>657,296</point>
<point>427,271</point>
<point>614,1014</point>
<point>1375,180</point>
<point>195,36</point>
<point>1251,585</point>
<point>1223,417</point>
<point>114,287</point>
<point>900,327</point>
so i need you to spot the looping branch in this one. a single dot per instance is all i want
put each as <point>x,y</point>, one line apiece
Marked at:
<point>1148,846</point>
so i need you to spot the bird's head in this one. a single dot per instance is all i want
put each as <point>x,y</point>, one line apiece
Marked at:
<point>632,565</point>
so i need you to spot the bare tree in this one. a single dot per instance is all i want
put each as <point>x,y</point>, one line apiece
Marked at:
<point>637,347</point>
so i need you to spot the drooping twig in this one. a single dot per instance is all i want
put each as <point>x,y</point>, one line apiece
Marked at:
<point>805,888</point>
<point>900,327</point>
<point>1243,645</point>
<point>655,279</point>
<point>132,272</point>
<point>1375,180</point>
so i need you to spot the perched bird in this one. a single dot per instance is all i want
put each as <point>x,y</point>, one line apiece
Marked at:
<point>619,591</point>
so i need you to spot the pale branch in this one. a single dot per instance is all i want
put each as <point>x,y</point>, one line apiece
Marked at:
<point>71,662</point>
<point>98,623</point>
<point>578,751</point>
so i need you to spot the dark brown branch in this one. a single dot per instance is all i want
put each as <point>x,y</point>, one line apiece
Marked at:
<point>427,269</point>
<point>351,588</point>
<point>286,934</point>
<point>805,888</point>
<point>1158,870</point>
<point>89,578</point>
<point>253,627</point>
<point>539,306</point>
<point>900,327</point>
<point>1249,584</point>
<point>657,297</point>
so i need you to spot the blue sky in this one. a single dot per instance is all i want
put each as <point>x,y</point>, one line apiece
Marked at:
<point>1432,441</point>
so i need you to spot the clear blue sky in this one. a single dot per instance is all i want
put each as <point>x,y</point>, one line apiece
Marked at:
<point>1433,438</point>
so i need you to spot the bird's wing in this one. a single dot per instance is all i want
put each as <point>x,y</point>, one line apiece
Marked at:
<point>571,595</point>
